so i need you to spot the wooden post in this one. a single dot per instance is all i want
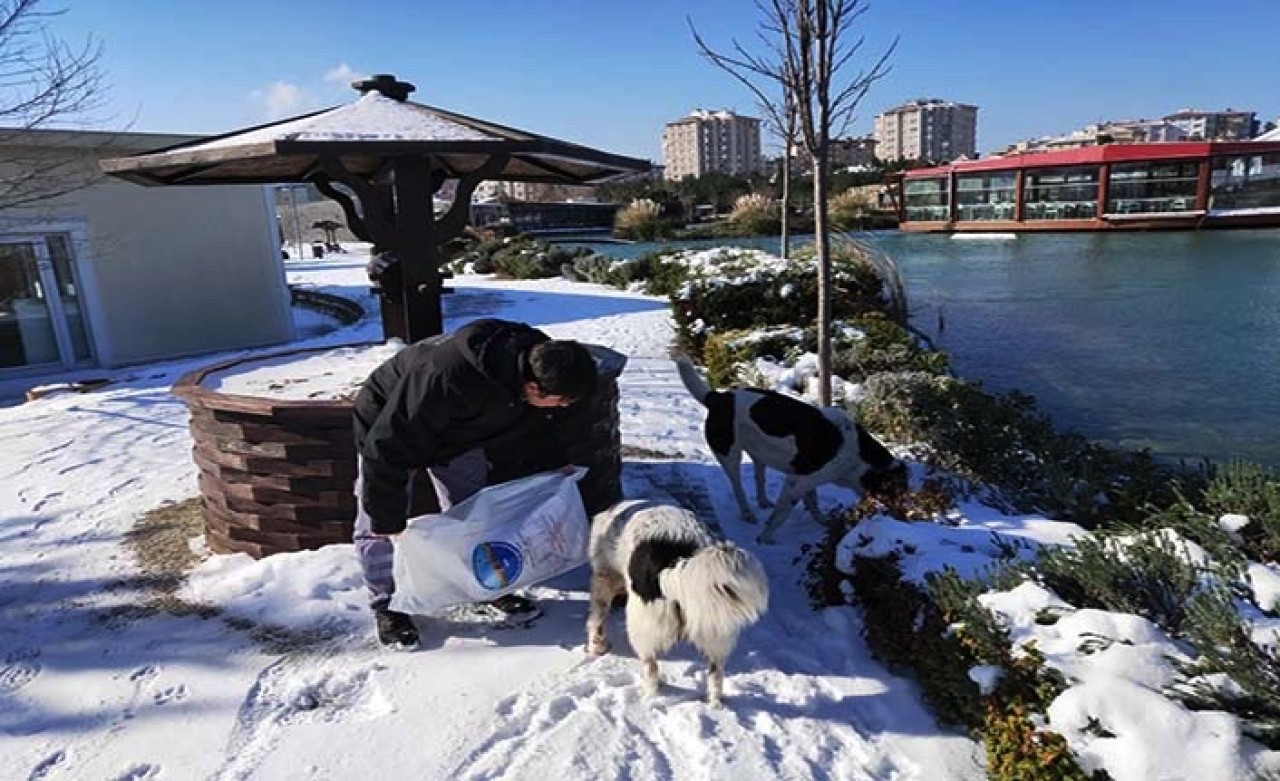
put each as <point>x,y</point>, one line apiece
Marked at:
<point>415,240</point>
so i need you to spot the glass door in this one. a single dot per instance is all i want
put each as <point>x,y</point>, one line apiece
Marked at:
<point>42,324</point>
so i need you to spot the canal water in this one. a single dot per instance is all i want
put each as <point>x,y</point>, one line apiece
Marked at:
<point>1169,341</point>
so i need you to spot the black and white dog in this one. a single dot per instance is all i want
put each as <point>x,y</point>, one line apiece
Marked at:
<point>680,584</point>
<point>811,446</point>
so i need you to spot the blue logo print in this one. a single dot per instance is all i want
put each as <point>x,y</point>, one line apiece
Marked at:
<point>496,564</point>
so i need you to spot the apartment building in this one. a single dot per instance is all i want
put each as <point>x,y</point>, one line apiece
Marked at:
<point>1129,131</point>
<point>853,152</point>
<point>927,129</point>
<point>1229,125</point>
<point>711,141</point>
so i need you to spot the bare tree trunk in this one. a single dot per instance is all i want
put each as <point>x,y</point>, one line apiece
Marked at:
<point>785,227</point>
<point>822,244</point>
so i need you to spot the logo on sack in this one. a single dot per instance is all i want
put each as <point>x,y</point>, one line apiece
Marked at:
<point>497,565</point>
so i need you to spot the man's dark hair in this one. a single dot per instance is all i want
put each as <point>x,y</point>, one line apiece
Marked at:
<point>562,368</point>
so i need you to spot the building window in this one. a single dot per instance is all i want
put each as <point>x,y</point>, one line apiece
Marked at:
<point>926,199</point>
<point>1245,182</point>
<point>1061,193</point>
<point>986,196</point>
<point>1159,187</point>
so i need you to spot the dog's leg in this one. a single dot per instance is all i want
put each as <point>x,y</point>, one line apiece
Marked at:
<point>791,493</point>
<point>715,682</point>
<point>604,587</point>
<point>731,462</point>
<point>760,469</point>
<point>811,504</point>
<point>651,680</point>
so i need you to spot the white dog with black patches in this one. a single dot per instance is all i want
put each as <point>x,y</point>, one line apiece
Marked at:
<point>811,446</point>
<point>679,582</point>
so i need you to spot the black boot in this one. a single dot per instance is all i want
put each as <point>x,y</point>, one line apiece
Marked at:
<point>517,607</point>
<point>395,630</point>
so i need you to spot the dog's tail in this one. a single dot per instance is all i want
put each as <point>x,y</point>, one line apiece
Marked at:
<point>693,382</point>
<point>721,590</point>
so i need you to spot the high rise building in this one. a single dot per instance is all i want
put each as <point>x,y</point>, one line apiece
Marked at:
<point>711,141</point>
<point>927,129</point>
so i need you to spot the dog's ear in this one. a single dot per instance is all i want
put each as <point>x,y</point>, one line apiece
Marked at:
<point>649,559</point>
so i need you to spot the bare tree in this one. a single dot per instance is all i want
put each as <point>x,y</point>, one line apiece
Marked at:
<point>762,75</point>
<point>810,48</point>
<point>45,83</point>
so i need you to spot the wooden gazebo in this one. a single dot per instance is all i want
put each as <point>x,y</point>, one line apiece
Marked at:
<point>382,158</point>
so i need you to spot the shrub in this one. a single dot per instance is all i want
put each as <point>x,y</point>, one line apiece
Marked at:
<point>849,208</point>
<point>1223,641</point>
<point>755,215</point>
<point>939,634</point>
<point>887,347</point>
<point>1004,443</point>
<point>641,220</point>
<point>1148,574</point>
<point>744,290</point>
<point>1252,490</point>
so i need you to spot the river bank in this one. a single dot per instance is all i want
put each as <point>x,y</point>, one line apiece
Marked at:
<point>1165,341</point>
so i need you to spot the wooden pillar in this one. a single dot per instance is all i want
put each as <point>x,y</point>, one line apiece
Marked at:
<point>415,241</point>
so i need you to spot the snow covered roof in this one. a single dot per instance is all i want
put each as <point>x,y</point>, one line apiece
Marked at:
<point>360,136</point>
<point>1271,135</point>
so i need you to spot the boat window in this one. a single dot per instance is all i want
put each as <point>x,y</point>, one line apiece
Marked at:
<point>926,199</point>
<point>1156,187</point>
<point>1246,183</point>
<point>986,196</point>
<point>1069,193</point>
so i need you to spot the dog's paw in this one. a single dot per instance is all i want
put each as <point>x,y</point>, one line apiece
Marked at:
<point>598,647</point>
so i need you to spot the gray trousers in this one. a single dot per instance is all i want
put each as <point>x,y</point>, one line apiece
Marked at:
<point>453,482</point>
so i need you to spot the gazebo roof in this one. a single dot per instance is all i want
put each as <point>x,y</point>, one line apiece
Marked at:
<point>362,135</point>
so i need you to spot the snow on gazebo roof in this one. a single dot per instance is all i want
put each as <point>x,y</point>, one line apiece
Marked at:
<point>362,136</point>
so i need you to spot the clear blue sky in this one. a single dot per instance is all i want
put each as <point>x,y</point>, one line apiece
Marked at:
<point>610,73</point>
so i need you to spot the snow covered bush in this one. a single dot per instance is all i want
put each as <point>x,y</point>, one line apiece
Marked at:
<point>1252,491</point>
<point>731,290</point>
<point>1233,672</point>
<point>1152,574</point>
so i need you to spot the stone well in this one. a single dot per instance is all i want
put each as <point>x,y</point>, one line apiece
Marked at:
<point>276,474</point>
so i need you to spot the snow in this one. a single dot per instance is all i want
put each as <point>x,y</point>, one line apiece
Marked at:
<point>373,117</point>
<point>334,373</point>
<point>279,676</point>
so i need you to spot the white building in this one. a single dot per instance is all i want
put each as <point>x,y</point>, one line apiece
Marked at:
<point>927,129</point>
<point>711,141</point>
<point>111,273</point>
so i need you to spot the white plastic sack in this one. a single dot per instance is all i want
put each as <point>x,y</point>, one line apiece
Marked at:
<point>506,537</point>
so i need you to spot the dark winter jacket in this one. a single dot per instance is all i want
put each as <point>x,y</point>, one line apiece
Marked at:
<point>439,398</point>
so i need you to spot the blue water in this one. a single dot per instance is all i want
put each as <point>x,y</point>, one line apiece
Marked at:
<point>1169,341</point>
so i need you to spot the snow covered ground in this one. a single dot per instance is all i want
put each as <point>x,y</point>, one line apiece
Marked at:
<point>91,687</point>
